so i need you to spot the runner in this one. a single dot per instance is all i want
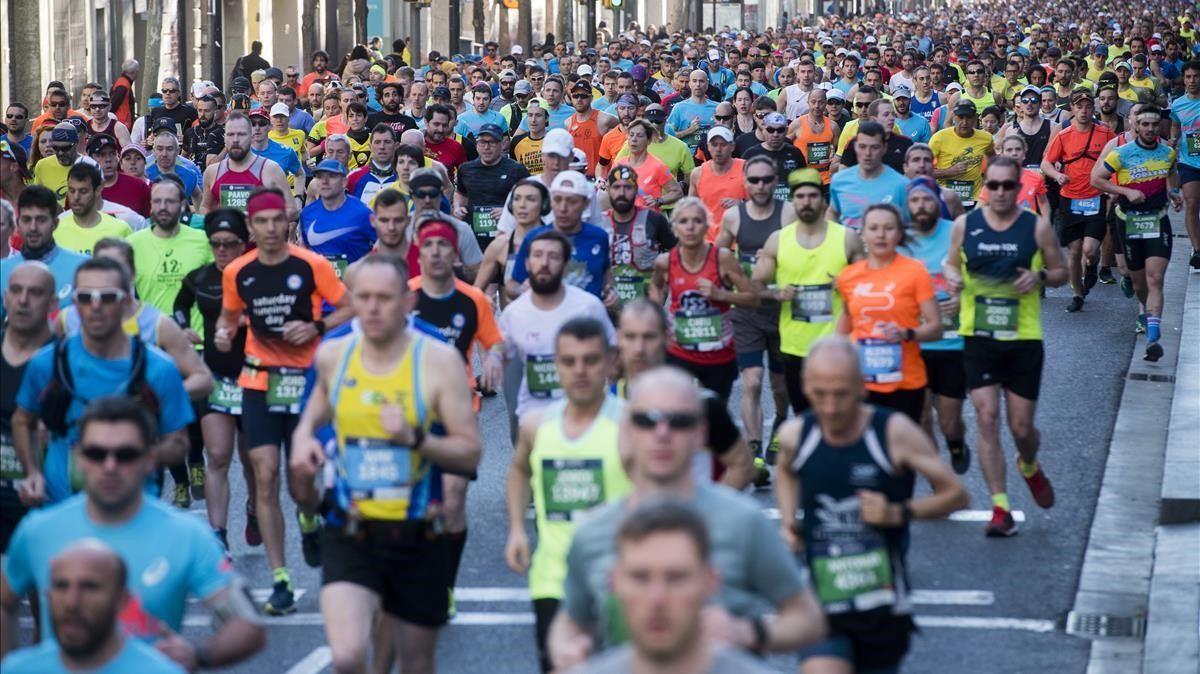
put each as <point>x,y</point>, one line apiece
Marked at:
<point>528,203</point>
<point>1139,174</point>
<point>1000,321</point>
<point>1185,137</point>
<point>851,466</point>
<point>84,225</point>
<point>959,153</point>
<point>586,125</point>
<point>483,184</point>
<point>657,185</point>
<point>37,218</point>
<point>889,308</point>
<point>1069,161</point>
<point>364,182</point>
<point>383,551</point>
<point>566,459</point>
<point>625,109</point>
<point>167,251</point>
<point>787,157</point>
<point>816,134</point>
<point>526,146</point>
<point>918,162</point>
<point>692,117</point>
<point>277,289</point>
<point>337,226</point>
<point>284,156</point>
<point>870,182</point>
<point>719,182</point>
<point>230,181</point>
<point>798,263</point>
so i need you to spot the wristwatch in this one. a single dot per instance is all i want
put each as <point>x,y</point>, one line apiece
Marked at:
<point>909,334</point>
<point>320,326</point>
<point>1042,276</point>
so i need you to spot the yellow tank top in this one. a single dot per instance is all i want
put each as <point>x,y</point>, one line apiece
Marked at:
<point>384,481</point>
<point>815,310</point>
<point>569,477</point>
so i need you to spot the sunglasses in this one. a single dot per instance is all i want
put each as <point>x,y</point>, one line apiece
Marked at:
<point>723,117</point>
<point>97,297</point>
<point>7,116</point>
<point>761,116</point>
<point>170,91</point>
<point>1006,185</point>
<point>224,245</point>
<point>974,72</point>
<point>1031,100</point>
<point>259,122</point>
<point>58,149</point>
<point>427,194</point>
<point>676,421</point>
<point>860,104</point>
<point>776,129</point>
<point>760,180</point>
<point>580,96</point>
<point>123,455</point>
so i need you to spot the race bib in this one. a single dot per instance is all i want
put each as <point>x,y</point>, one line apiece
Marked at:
<point>699,333</point>
<point>482,222</point>
<point>996,317</point>
<point>226,396</point>
<point>285,387</point>
<point>1143,225</point>
<point>541,377</point>
<point>1193,144</point>
<point>852,578</point>
<point>571,486</point>
<point>628,283</point>
<point>1086,206</point>
<point>949,323</point>
<point>782,193</point>
<point>818,153</point>
<point>693,141</point>
<point>813,303</point>
<point>10,466</point>
<point>339,263</point>
<point>881,361</point>
<point>377,469</point>
<point>965,189</point>
<point>235,196</point>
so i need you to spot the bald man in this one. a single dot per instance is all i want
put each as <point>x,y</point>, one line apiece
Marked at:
<point>854,479</point>
<point>86,593</point>
<point>662,428</point>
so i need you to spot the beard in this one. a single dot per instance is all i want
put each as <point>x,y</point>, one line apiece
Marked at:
<point>545,286</point>
<point>621,204</point>
<point>237,152</point>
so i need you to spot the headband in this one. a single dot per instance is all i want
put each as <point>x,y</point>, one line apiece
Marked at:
<point>437,228</point>
<point>264,201</point>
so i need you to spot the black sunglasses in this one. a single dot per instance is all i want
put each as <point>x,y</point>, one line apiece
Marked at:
<point>170,91</point>
<point>224,245</point>
<point>974,72</point>
<point>1006,185</point>
<point>760,180</point>
<point>676,421</point>
<point>427,194</point>
<point>722,117</point>
<point>123,455</point>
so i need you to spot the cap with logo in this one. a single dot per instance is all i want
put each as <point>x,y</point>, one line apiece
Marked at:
<point>101,142</point>
<point>901,91</point>
<point>64,133</point>
<point>523,87</point>
<point>965,109</point>
<point>441,92</point>
<point>490,130</point>
<point>571,182</point>
<point>330,166</point>
<point>774,119</point>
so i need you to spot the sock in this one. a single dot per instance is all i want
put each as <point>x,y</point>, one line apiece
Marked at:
<point>309,523</point>
<point>1000,501</point>
<point>281,575</point>
<point>955,446</point>
<point>755,447</point>
<point>1152,328</point>
<point>1027,469</point>
<point>455,544</point>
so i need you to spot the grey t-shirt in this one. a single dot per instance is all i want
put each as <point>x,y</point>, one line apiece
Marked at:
<point>620,661</point>
<point>757,570</point>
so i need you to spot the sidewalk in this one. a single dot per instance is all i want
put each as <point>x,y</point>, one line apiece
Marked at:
<point>1138,599</point>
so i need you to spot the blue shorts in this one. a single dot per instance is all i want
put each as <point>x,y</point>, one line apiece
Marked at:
<point>1188,174</point>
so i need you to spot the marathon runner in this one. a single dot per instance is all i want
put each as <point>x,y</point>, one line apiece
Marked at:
<point>787,157</point>
<point>871,181</point>
<point>336,226</point>
<point>364,182</point>
<point>639,236</point>
<point>1000,321</point>
<point>960,152</point>
<point>483,184</point>
<point>1185,137</point>
<point>718,182</point>
<point>816,135</point>
<point>230,181</point>
<point>528,203</point>
<point>37,218</point>
<point>277,290</point>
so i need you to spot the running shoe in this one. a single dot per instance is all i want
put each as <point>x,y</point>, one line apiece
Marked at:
<point>1040,487</point>
<point>1090,276</point>
<point>253,535</point>
<point>772,449</point>
<point>1106,276</point>
<point>282,600</point>
<point>1002,524</point>
<point>183,498</point>
<point>1195,261</point>
<point>223,536</point>
<point>762,474</point>
<point>1140,326</point>
<point>1075,305</point>
<point>1154,351</point>
<point>1127,287</point>
<point>483,391</point>
<point>452,608</point>
<point>960,460</point>
<point>196,476</point>
<point>310,541</point>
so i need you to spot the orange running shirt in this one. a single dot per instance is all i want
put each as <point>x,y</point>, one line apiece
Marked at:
<point>713,189</point>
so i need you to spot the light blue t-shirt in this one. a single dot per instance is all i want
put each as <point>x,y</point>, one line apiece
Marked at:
<point>558,118</point>
<point>95,378</point>
<point>300,119</point>
<point>283,155</point>
<point>1185,111</point>
<point>687,110</point>
<point>62,263</point>
<point>589,259</point>
<point>170,556</point>
<point>755,87</point>
<point>470,121</point>
<point>190,175</point>
<point>930,249</point>
<point>134,656</point>
<point>850,193</point>
<point>915,127</point>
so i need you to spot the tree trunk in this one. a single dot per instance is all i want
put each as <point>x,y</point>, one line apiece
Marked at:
<point>562,27</point>
<point>524,27</point>
<point>477,18</point>
<point>679,15</point>
<point>154,10</point>
<point>310,41</point>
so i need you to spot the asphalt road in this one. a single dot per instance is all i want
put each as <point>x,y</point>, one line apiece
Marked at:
<point>984,605</point>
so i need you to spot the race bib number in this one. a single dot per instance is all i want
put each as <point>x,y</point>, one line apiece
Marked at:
<point>1193,144</point>
<point>571,486</point>
<point>818,153</point>
<point>693,141</point>
<point>482,222</point>
<point>1143,225</point>
<point>628,283</point>
<point>541,377</point>
<point>813,303</point>
<point>1086,206</point>
<point>10,466</point>
<point>339,263</point>
<point>226,396</point>
<point>235,196</point>
<point>845,578</point>
<point>285,387</point>
<point>881,361</point>
<point>699,333</point>
<point>782,193</point>
<point>996,317</point>
<point>377,469</point>
<point>965,189</point>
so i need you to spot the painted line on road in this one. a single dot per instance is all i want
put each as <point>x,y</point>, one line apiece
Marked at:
<point>976,623</point>
<point>260,595</point>
<point>467,618</point>
<point>314,662</point>
<point>491,594</point>
<point>956,516</point>
<point>952,597</point>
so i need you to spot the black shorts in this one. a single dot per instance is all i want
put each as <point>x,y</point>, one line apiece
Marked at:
<point>266,428</point>
<point>1137,250</point>
<point>756,332</point>
<point>793,377</point>
<point>400,562</point>
<point>872,641</point>
<point>1188,174</point>
<point>1016,364</point>
<point>909,402</point>
<point>1075,226</point>
<point>944,369</point>
<point>716,377</point>
<point>11,512</point>
<point>1114,232</point>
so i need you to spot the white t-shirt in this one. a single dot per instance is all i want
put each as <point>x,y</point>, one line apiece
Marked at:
<point>591,214</point>
<point>529,335</point>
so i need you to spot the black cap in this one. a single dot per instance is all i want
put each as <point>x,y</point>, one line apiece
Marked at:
<point>581,85</point>
<point>163,124</point>
<point>441,92</point>
<point>425,177</point>
<point>492,130</point>
<point>239,84</point>
<point>100,142</point>
<point>274,72</point>
<point>963,108</point>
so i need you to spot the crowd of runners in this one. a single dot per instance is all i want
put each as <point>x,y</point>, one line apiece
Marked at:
<point>326,268</point>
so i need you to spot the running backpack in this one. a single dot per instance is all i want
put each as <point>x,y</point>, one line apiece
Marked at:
<point>56,398</point>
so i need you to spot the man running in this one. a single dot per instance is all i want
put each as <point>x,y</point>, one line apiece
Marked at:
<point>998,257</point>
<point>787,157</point>
<point>960,152</point>
<point>337,226</point>
<point>871,182</point>
<point>230,181</point>
<point>639,236</point>
<point>851,467</point>
<point>167,251</point>
<point>399,424</point>
<point>37,218</point>
<point>1185,136</point>
<point>483,184</point>
<point>719,182</point>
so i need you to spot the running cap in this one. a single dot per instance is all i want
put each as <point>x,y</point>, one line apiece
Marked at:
<point>720,132</point>
<point>330,166</point>
<point>571,182</point>
<point>559,143</point>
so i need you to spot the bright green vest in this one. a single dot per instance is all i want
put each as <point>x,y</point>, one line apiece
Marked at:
<point>815,310</point>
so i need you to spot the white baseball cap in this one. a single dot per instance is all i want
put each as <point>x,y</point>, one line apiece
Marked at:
<point>571,182</point>
<point>558,142</point>
<point>720,132</point>
<point>517,50</point>
<point>280,109</point>
<point>584,69</point>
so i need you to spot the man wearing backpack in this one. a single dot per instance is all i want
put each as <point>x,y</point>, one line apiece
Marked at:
<point>62,378</point>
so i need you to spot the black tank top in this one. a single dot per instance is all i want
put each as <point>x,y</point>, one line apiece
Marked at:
<point>855,567</point>
<point>1035,143</point>
<point>752,235</point>
<point>455,316</point>
<point>202,288</point>
<point>10,467</point>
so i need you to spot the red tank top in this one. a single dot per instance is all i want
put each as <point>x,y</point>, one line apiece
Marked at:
<point>232,188</point>
<point>700,329</point>
<point>587,138</point>
<point>109,129</point>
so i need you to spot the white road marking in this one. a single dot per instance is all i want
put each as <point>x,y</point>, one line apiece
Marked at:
<point>956,516</point>
<point>977,623</point>
<point>314,662</point>
<point>260,595</point>
<point>953,597</point>
<point>491,594</point>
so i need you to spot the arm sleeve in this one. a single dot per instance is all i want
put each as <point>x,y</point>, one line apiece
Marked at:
<point>184,300</point>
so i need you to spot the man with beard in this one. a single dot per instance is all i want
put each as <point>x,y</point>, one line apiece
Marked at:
<point>793,100</point>
<point>507,91</point>
<point>586,125</point>
<point>588,267</point>
<point>117,187</point>
<point>36,221</point>
<point>391,96</point>
<point>883,112</point>
<point>439,141</point>
<point>205,138</point>
<point>166,251</point>
<point>639,235</point>
<point>626,111</point>
<point>914,127</point>
<point>364,182</point>
<point>87,593</point>
<point>319,75</point>
<point>230,181</point>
